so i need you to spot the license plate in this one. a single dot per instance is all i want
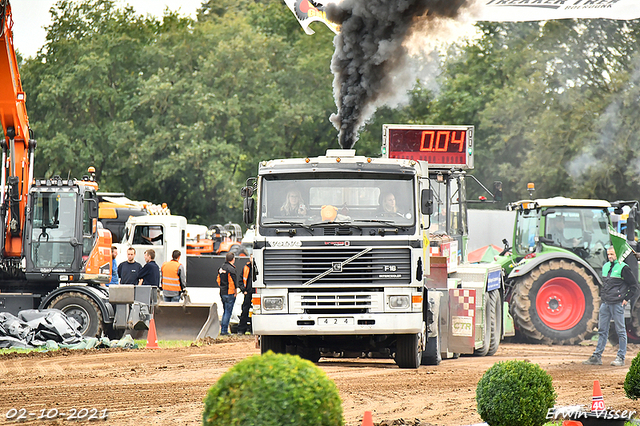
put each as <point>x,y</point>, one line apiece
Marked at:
<point>337,321</point>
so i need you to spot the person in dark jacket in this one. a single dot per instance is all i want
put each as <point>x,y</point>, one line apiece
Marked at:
<point>229,285</point>
<point>619,286</point>
<point>150,272</point>
<point>249,274</point>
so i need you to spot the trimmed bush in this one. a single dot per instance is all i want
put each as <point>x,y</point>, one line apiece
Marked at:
<point>515,393</point>
<point>632,381</point>
<point>273,390</point>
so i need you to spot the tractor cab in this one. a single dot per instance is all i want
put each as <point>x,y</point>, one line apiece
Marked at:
<point>561,224</point>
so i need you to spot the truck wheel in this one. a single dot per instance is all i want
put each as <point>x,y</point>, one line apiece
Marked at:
<point>495,307</point>
<point>486,341</point>
<point>272,343</point>
<point>555,303</point>
<point>408,353</point>
<point>311,354</point>
<point>83,309</point>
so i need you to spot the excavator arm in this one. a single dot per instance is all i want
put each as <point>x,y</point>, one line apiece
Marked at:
<point>18,145</point>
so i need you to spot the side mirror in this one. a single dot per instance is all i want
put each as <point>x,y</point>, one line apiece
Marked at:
<point>497,191</point>
<point>426,202</point>
<point>93,208</point>
<point>248,210</point>
<point>246,191</point>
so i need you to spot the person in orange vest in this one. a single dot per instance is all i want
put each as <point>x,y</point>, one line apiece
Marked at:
<point>174,278</point>
<point>229,284</point>
<point>249,274</point>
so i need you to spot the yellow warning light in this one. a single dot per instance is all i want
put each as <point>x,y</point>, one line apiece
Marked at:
<point>306,160</point>
<point>531,186</point>
<point>92,169</point>
<point>368,160</point>
<point>338,160</point>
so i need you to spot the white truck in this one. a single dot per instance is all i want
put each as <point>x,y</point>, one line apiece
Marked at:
<point>348,272</point>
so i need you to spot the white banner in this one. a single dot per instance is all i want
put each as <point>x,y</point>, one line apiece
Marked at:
<point>542,10</point>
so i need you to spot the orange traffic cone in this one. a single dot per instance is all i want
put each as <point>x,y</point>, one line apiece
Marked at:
<point>597,401</point>
<point>367,420</point>
<point>152,338</point>
<point>571,423</point>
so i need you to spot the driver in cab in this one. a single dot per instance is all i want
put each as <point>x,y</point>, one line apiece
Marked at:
<point>293,204</point>
<point>557,234</point>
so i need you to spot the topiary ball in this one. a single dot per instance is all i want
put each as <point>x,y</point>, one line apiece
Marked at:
<point>632,381</point>
<point>273,390</point>
<point>515,393</point>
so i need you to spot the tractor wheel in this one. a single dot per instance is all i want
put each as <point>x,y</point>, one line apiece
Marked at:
<point>495,308</point>
<point>83,309</point>
<point>486,341</point>
<point>272,343</point>
<point>556,303</point>
<point>408,353</point>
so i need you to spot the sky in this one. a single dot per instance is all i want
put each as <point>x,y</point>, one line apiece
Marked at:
<point>31,16</point>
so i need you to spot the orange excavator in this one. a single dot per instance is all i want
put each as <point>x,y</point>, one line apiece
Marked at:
<point>53,254</point>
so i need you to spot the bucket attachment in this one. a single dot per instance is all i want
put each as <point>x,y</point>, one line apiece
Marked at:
<point>186,321</point>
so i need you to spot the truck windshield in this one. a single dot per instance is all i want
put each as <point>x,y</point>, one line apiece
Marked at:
<point>360,201</point>
<point>54,225</point>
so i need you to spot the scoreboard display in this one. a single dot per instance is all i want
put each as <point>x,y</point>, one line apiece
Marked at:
<point>440,146</point>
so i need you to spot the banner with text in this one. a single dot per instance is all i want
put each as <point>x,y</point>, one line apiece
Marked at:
<point>542,10</point>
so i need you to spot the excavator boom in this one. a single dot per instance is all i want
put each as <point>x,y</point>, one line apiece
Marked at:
<point>18,143</point>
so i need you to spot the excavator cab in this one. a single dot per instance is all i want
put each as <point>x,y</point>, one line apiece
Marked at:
<point>65,243</point>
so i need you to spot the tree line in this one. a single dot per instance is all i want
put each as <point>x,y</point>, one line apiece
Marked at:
<point>181,110</point>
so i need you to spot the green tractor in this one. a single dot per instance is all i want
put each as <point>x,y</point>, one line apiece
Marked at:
<point>554,266</point>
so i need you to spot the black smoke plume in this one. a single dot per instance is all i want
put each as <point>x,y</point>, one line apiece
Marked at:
<point>370,55</point>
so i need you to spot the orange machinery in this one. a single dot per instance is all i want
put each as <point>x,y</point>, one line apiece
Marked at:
<point>50,234</point>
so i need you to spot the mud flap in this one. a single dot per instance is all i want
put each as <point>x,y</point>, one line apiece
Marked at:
<point>462,312</point>
<point>186,321</point>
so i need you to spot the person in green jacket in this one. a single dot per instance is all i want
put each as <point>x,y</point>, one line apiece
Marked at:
<point>619,286</point>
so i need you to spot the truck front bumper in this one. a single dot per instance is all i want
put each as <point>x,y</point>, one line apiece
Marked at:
<point>343,324</point>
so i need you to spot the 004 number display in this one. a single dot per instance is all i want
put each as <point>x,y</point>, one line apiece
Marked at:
<point>438,146</point>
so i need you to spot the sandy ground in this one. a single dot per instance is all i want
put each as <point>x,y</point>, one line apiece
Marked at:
<point>167,386</point>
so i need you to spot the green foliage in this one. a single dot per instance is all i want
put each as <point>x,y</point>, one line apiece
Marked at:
<point>632,380</point>
<point>515,393</point>
<point>273,390</point>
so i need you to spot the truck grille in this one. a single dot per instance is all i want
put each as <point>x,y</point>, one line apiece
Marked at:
<point>379,266</point>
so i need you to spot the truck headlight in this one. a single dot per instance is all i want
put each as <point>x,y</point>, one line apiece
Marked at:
<point>398,302</point>
<point>273,303</point>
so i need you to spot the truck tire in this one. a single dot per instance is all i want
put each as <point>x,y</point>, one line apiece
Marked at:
<point>486,341</point>
<point>272,343</point>
<point>556,303</point>
<point>432,355</point>
<point>83,309</point>
<point>495,307</point>
<point>408,353</point>
<point>309,353</point>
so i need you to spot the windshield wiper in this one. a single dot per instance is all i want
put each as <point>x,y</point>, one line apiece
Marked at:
<point>340,223</point>
<point>286,222</point>
<point>384,222</point>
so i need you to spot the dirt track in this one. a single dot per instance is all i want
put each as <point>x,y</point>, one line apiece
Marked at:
<point>167,386</point>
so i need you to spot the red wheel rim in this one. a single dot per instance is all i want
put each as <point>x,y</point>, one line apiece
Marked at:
<point>560,303</point>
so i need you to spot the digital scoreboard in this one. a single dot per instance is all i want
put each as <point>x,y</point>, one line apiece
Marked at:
<point>440,146</point>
